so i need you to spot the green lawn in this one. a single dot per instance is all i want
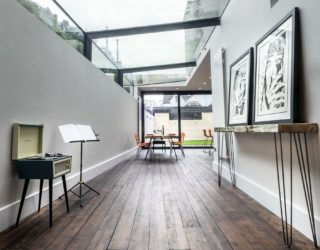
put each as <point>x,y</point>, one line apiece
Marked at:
<point>194,143</point>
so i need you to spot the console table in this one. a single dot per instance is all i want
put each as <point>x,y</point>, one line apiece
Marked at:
<point>298,137</point>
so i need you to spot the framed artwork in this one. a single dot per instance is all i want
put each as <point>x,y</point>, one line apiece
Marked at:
<point>276,78</point>
<point>240,90</point>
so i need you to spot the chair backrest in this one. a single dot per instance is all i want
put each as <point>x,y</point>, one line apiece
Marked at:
<point>205,133</point>
<point>210,134</point>
<point>137,138</point>
<point>182,137</point>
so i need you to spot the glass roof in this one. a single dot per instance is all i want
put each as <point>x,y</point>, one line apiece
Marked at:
<point>142,50</point>
<point>94,15</point>
<point>155,48</point>
<point>158,76</point>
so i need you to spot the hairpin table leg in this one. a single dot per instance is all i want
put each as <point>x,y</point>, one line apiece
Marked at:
<point>286,227</point>
<point>303,160</point>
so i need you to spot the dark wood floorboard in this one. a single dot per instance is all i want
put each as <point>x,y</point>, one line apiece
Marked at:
<point>156,204</point>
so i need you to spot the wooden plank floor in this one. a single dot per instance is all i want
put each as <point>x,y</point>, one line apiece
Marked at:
<point>156,204</point>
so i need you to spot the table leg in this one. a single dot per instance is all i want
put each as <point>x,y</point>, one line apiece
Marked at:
<point>232,167</point>
<point>40,194</point>
<point>65,191</point>
<point>286,227</point>
<point>148,149</point>
<point>24,192</point>
<point>220,145</point>
<point>303,161</point>
<point>50,201</point>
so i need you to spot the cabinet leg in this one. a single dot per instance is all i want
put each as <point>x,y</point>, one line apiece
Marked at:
<point>50,201</point>
<point>40,194</point>
<point>24,192</point>
<point>65,191</point>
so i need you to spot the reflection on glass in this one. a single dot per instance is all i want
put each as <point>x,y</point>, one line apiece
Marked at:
<point>97,14</point>
<point>196,115</point>
<point>161,114</point>
<point>49,12</point>
<point>159,76</point>
<point>156,48</point>
<point>101,61</point>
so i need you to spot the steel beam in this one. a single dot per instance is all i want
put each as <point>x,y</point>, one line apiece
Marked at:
<point>159,67</point>
<point>207,22</point>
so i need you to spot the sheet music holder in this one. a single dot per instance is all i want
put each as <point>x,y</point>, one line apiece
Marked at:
<point>79,133</point>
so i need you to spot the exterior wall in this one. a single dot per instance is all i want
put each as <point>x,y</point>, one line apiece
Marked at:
<point>243,23</point>
<point>43,80</point>
<point>192,128</point>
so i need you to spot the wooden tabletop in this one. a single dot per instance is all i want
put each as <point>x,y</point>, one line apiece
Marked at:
<point>155,136</point>
<point>272,128</point>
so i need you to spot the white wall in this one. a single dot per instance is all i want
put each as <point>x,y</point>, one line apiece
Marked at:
<point>43,80</point>
<point>243,23</point>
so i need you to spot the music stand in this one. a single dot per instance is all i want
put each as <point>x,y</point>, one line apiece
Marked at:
<point>88,135</point>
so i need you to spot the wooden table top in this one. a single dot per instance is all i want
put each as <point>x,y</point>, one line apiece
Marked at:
<point>272,128</point>
<point>155,136</point>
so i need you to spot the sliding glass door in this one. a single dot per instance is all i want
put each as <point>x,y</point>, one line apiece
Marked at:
<point>196,115</point>
<point>176,113</point>
<point>160,114</point>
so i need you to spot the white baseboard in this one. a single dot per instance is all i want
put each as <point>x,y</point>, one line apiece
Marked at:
<point>270,200</point>
<point>8,213</point>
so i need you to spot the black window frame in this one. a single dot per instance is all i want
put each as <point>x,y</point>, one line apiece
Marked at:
<point>178,93</point>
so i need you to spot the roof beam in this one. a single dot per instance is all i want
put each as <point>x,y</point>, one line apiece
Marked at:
<point>159,67</point>
<point>206,22</point>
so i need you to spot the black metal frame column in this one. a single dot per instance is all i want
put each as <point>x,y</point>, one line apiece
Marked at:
<point>119,77</point>
<point>179,117</point>
<point>87,50</point>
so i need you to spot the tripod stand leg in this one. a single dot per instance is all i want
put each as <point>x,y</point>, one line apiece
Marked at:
<point>80,187</point>
<point>91,188</point>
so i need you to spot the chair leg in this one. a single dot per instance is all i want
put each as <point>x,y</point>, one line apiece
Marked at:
<point>182,151</point>
<point>205,144</point>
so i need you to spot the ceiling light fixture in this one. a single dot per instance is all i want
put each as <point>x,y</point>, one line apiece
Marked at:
<point>204,83</point>
<point>200,88</point>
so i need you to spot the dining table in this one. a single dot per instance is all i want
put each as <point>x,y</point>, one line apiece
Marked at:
<point>168,137</point>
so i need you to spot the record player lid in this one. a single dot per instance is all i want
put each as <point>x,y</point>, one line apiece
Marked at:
<point>26,141</point>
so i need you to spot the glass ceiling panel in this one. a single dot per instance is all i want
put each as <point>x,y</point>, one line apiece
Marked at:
<point>94,15</point>
<point>155,48</point>
<point>159,76</point>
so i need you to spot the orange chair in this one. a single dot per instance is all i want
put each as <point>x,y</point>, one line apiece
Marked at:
<point>178,144</point>
<point>210,142</point>
<point>141,145</point>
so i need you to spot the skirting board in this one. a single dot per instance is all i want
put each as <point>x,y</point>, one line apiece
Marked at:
<point>270,201</point>
<point>8,213</point>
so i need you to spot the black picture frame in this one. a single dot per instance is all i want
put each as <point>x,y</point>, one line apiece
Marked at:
<point>241,74</point>
<point>276,81</point>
